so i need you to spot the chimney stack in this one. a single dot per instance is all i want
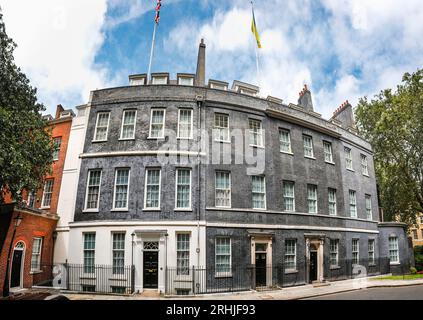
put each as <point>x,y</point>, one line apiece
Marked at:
<point>305,100</point>
<point>200,75</point>
<point>344,114</point>
<point>59,110</point>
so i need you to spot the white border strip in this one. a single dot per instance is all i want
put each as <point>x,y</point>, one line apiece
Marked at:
<point>284,227</point>
<point>140,153</point>
<point>84,224</point>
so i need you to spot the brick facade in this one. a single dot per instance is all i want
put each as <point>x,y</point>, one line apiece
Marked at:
<point>34,224</point>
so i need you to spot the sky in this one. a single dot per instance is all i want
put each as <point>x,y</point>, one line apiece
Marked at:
<point>342,49</point>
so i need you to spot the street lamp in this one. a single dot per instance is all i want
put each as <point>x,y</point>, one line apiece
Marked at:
<point>132,255</point>
<point>17,221</point>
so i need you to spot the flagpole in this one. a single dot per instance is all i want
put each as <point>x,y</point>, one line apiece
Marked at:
<point>256,50</point>
<point>151,52</point>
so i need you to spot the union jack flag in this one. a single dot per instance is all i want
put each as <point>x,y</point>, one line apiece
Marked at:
<point>159,5</point>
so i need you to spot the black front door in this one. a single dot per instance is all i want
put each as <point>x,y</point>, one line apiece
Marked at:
<point>151,275</point>
<point>313,266</point>
<point>15,278</point>
<point>260,269</point>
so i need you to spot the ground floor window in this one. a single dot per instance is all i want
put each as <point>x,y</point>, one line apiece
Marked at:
<point>118,252</point>
<point>393,250</point>
<point>355,251</point>
<point>88,288</point>
<point>371,251</point>
<point>182,253</point>
<point>36,254</point>
<point>290,255</point>
<point>89,252</point>
<point>223,256</point>
<point>118,290</point>
<point>334,252</point>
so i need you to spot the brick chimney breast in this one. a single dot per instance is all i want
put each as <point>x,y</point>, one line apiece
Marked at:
<point>344,114</point>
<point>59,110</point>
<point>305,99</point>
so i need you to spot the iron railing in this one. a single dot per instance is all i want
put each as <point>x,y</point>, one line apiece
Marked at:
<point>83,278</point>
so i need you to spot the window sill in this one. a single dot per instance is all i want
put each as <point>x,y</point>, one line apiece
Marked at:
<point>258,147</point>
<point>44,208</point>
<point>352,170</point>
<point>156,138</point>
<point>152,209</point>
<point>311,158</point>
<point>259,209</point>
<point>90,211</point>
<point>335,267</point>
<point>129,139</point>
<point>222,141</point>
<point>179,138</point>
<point>331,163</point>
<point>288,153</point>
<point>36,271</point>
<point>182,209</point>
<point>223,275</point>
<point>98,141</point>
<point>366,175</point>
<point>121,277</point>
<point>291,271</point>
<point>395,263</point>
<point>221,207</point>
<point>120,210</point>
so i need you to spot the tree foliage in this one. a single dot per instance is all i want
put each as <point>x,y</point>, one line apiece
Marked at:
<point>393,123</point>
<point>25,146</point>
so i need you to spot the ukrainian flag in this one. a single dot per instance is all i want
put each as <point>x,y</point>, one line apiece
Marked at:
<point>255,31</point>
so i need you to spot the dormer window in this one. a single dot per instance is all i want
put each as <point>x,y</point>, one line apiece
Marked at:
<point>247,92</point>
<point>137,80</point>
<point>245,88</point>
<point>159,80</point>
<point>185,79</point>
<point>214,84</point>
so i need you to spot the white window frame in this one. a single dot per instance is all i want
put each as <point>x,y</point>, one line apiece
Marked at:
<point>56,152</point>
<point>348,159</point>
<point>43,204</point>
<point>37,265</point>
<point>328,155</point>
<point>306,147</point>
<point>394,248</point>
<point>223,273</point>
<point>312,199</point>
<point>151,123</point>
<point>218,130</point>
<point>290,269</point>
<point>334,250</point>
<point>123,124</point>
<point>355,244</point>
<point>177,185</point>
<point>127,190</point>
<point>145,189</point>
<point>84,250</point>
<point>179,270</point>
<point>191,124</point>
<point>371,251</point>
<point>225,190</point>
<point>264,192</point>
<point>114,267</point>
<point>368,204</point>
<point>288,143</point>
<point>260,133</point>
<point>332,202</point>
<point>364,165</point>
<point>99,192</point>
<point>285,196</point>
<point>352,196</point>
<point>107,127</point>
<point>155,80</point>
<point>189,79</point>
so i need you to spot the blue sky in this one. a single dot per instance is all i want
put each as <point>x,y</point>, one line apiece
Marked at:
<point>343,49</point>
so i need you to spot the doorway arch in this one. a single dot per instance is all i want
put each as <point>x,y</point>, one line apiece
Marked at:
<point>17,265</point>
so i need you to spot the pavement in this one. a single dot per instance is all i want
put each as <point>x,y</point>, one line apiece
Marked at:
<point>292,293</point>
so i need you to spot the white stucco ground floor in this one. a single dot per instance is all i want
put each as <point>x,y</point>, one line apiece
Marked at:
<point>100,255</point>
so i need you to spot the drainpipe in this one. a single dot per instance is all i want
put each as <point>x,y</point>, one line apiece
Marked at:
<point>199,104</point>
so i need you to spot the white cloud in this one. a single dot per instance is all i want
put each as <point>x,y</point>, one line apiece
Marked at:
<point>359,48</point>
<point>57,43</point>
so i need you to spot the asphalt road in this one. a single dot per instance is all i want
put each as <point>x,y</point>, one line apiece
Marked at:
<point>390,293</point>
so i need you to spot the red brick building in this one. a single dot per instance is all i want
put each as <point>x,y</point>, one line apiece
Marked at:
<point>29,246</point>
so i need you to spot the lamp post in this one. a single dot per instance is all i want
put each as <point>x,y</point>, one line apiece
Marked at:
<point>6,289</point>
<point>132,253</point>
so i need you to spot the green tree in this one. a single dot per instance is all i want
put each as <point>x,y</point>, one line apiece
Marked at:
<point>393,123</point>
<point>25,146</point>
